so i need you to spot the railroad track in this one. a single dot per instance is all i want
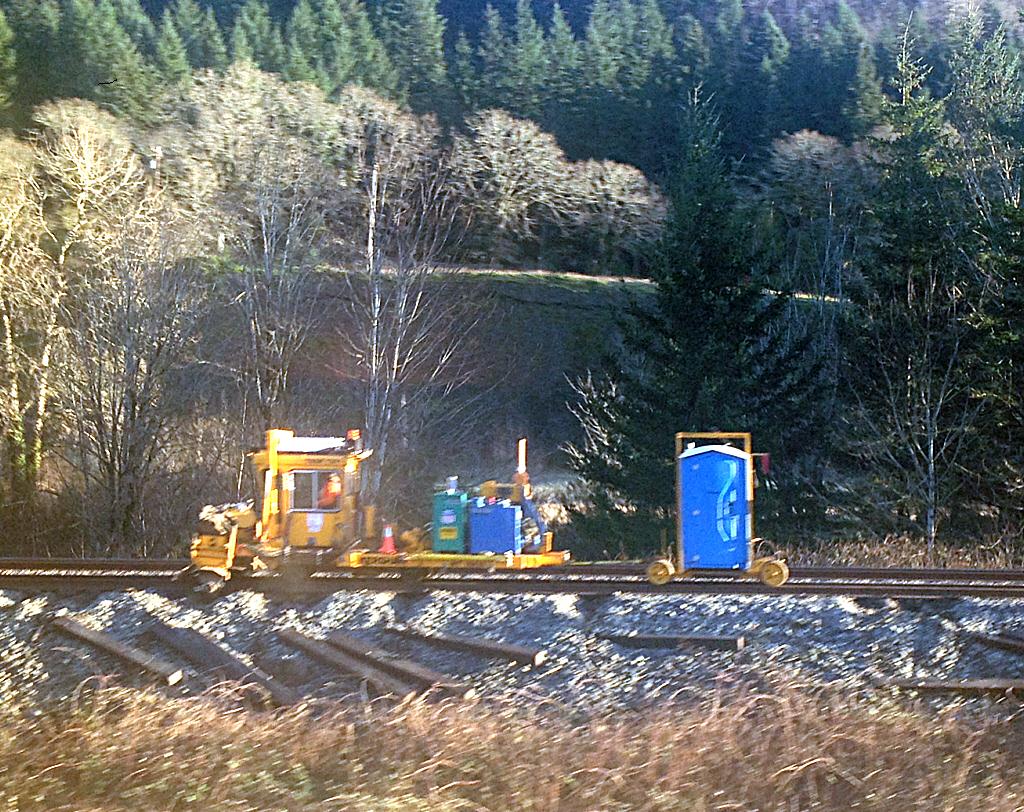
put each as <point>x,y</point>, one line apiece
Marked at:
<point>94,576</point>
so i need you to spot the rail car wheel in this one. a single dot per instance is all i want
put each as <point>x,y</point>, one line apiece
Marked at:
<point>206,584</point>
<point>661,571</point>
<point>773,573</point>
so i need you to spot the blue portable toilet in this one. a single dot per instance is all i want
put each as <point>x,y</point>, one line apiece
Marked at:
<point>715,507</point>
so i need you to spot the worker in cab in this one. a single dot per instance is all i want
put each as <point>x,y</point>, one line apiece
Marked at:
<point>330,494</point>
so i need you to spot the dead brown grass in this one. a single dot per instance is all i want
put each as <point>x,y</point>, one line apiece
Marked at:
<point>784,751</point>
<point>904,552</point>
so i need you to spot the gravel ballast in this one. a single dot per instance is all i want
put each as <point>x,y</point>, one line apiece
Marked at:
<point>855,645</point>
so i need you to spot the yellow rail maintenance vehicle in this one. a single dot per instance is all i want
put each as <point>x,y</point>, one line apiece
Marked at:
<point>310,520</point>
<point>715,485</point>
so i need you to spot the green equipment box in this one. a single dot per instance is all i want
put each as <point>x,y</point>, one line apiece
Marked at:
<point>449,533</point>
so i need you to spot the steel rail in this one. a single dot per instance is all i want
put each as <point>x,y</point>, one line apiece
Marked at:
<point>112,566</point>
<point>324,585</point>
<point>835,573</point>
<point>87,565</point>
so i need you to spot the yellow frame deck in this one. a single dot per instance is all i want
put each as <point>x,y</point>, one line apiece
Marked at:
<point>523,561</point>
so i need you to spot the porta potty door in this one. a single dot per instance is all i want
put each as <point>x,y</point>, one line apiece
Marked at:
<point>714,508</point>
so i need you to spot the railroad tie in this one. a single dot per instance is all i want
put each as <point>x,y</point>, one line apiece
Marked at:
<point>317,649</point>
<point>680,641</point>
<point>1002,641</point>
<point>407,670</point>
<point>168,672</point>
<point>477,645</point>
<point>205,654</point>
<point>970,686</point>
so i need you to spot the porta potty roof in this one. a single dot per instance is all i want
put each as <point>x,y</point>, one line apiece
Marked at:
<point>723,449</point>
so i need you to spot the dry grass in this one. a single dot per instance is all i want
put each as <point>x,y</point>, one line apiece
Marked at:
<point>783,751</point>
<point>904,552</point>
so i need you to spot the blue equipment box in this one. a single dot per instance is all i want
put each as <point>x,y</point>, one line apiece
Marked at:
<point>495,527</point>
<point>715,508</point>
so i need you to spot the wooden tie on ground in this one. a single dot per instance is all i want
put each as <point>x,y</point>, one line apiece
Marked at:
<point>168,672</point>
<point>970,686</point>
<point>406,670</point>
<point>478,645</point>
<point>380,680</point>
<point>1004,641</point>
<point>207,655</point>
<point>715,641</point>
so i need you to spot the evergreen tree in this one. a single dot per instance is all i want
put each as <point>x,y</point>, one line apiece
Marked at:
<point>606,44</point>
<point>843,67</point>
<point>707,355</point>
<point>211,52</point>
<point>257,37</point>
<point>241,47</point>
<point>8,72</point>
<point>758,106</point>
<point>465,75</point>
<point>133,92</point>
<point>729,36</point>
<point>100,62</point>
<point>337,50</point>
<point>913,353</point>
<point>653,86</point>
<point>137,24</point>
<point>801,78</point>
<point>863,109</point>
<point>494,56</point>
<point>201,35</point>
<point>225,11</point>
<point>304,55</point>
<point>650,52</point>
<point>746,76</point>
<point>35,25</point>
<point>413,32</point>
<point>693,52</point>
<point>187,18</point>
<point>565,56</point>
<point>373,67</point>
<point>171,57</point>
<point>297,67</point>
<point>730,70</point>
<point>528,69</point>
<point>1003,352</point>
<point>985,106</point>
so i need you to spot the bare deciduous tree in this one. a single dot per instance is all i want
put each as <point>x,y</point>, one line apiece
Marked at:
<point>518,183</point>
<point>286,196</point>
<point>27,314</point>
<point>132,322</point>
<point>515,177</point>
<point>914,410</point>
<point>409,322</point>
<point>261,158</point>
<point>617,208</point>
<point>58,193</point>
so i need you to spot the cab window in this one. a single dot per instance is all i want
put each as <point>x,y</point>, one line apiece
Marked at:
<point>316,491</point>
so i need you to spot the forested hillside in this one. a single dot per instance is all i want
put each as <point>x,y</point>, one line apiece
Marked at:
<point>603,77</point>
<point>219,217</point>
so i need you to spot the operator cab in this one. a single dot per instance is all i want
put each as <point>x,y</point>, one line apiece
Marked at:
<point>310,492</point>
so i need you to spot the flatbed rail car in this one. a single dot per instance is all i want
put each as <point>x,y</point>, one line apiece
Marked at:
<point>310,520</point>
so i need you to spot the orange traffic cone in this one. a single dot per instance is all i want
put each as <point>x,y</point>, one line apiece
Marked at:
<point>387,541</point>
